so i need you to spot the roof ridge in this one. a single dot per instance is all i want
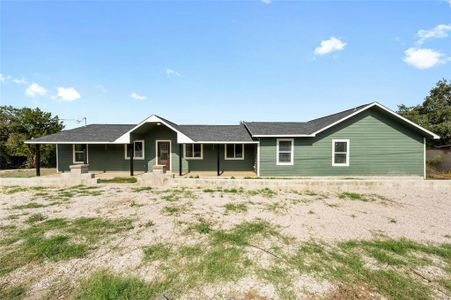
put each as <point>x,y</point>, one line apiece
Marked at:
<point>356,108</point>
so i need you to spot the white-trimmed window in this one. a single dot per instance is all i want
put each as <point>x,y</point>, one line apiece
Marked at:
<point>193,151</point>
<point>78,151</point>
<point>234,152</point>
<point>340,153</point>
<point>285,152</point>
<point>138,150</point>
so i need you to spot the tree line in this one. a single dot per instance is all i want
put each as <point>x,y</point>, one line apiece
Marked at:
<point>20,124</point>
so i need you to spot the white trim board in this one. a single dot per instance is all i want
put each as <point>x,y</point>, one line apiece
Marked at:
<point>181,137</point>
<point>192,157</point>
<point>234,149</point>
<point>291,163</point>
<point>73,155</point>
<point>134,152</point>
<point>348,152</point>
<point>170,153</point>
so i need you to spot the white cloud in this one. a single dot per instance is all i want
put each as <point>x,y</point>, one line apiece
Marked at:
<point>9,78</point>
<point>67,94</point>
<point>171,72</point>
<point>35,90</point>
<point>20,80</point>
<point>439,31</point>
<point>137,96</point>
<point>423,58</point>
<point>270,1</point>
<point>328,46</point>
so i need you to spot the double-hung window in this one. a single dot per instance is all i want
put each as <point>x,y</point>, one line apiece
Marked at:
<point>285,151</point>
<point>79,153</point>
<point>138,150</point>
<point>234,152</point>
<point>340,153</point>
<point>193,151</point>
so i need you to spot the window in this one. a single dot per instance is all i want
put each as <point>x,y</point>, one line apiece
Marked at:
<point>79,153</point>
<point>285,151</point>
<point>340,153</point>
<point>193,151</point>
<point>138,150</point>
<point>234,152</point>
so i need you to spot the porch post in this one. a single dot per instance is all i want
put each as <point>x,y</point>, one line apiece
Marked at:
<point>218,160</point>
<point>180,159</point>
<point>38,160</point>
<point>85,154</point>
<point>130,147</point>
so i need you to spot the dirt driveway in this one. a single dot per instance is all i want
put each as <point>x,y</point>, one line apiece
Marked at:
<point>128,242</point>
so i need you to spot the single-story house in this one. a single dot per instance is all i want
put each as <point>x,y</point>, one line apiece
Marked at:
<point>368,140</point>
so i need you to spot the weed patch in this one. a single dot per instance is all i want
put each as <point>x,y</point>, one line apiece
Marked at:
<point>119,180</point>
<point>35,218</point>
<point>13,293</point>
<point>105,285</point>
<point>35,244</point>
<point>29,205</point>
<point>238,208</point>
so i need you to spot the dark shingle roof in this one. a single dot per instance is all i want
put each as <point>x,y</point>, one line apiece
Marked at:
<point>297,128</point>
<point>107,133</point>
<point>90,133</point>
<point>211,133</point>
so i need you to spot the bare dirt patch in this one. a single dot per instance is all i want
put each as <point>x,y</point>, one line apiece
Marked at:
<point>210,243</point>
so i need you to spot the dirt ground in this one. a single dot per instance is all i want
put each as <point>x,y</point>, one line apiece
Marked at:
<point>190,217</point>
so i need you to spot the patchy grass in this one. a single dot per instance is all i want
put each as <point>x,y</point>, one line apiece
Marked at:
<point>171,210</point>
<point>106,285</point>
<point>157,251</point>
<point>119,180</point>
<point>13,293</point>
<point>142,189</point>
<point>221,258</point>
<point>277,207</point>
<point>178,194</point>
<point>265,192</point>
<point>202,226</point>
<point>353,196</point>
<point>238,208</point>
<point>363,197</point>
<point>35,218</point>
<point>29,205</point>
<point>53,239</point>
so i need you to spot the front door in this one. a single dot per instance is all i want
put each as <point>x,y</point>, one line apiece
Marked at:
<point>164,154</point>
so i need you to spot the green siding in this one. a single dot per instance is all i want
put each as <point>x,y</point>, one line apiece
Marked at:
<point>112,157</point>
<point>379,145</point>
<point>210,156</point>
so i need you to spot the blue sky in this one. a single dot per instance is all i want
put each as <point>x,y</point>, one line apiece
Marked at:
<point>219,61</point>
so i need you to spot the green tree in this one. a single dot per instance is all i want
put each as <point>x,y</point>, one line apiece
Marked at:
<point>434,113</point>
<point>20,124</point>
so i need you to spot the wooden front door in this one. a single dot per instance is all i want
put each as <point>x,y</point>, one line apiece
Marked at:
<point>164,154</point>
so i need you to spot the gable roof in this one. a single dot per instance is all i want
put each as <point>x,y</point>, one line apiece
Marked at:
<point>243,133</point>
<point>89,134</point>
<point>217,133</point>
<point>313,127</point>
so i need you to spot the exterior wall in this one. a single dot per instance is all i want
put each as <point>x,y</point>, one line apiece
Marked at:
<point>112,157</point>
<point>209,163</point>
<point>379,145</point>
